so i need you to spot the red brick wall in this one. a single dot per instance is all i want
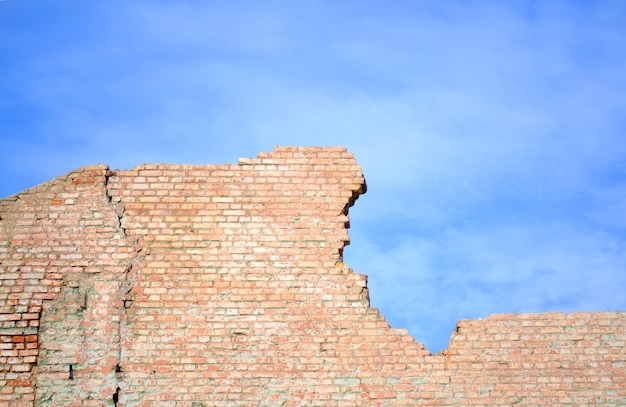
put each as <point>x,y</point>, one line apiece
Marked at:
<point>224,286</point>
<point>541,359</point>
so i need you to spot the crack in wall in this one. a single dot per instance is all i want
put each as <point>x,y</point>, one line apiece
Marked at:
<point>124,289</point>
<point>125,292</point>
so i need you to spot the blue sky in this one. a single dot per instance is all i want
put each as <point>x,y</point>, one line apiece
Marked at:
<point>491,133</point>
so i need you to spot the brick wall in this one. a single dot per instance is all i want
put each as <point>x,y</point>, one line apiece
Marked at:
<point>223,285</point>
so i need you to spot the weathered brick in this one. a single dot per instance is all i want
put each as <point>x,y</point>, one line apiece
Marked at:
<point>223,285</point>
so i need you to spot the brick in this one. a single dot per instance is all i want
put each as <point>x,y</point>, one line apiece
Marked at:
<point>224,285</point>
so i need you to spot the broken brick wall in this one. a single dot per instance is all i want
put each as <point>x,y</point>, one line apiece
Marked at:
<point>224,285</point>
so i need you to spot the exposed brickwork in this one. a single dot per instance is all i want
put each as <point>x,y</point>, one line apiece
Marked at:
<point>224,285</point>
<point>542,359</point>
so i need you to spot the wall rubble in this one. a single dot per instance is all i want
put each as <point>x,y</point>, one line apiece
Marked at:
<point>224,285</point>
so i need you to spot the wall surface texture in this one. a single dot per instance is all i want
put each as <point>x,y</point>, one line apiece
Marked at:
<point>223,285</point>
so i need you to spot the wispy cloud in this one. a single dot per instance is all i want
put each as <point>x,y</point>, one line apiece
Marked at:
<point>427,283</point>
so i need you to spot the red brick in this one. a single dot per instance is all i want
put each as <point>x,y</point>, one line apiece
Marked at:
<point>223,284</point>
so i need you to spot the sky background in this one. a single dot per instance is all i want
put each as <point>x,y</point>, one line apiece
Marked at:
<point>492,134</point>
